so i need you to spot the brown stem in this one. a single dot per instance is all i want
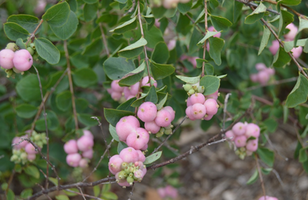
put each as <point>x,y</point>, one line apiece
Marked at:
<point>204,46</point>
<point>10,181</point>
<point>193,21</point>
<point>260,176</point>
<point>103,35</point>
<point>256,5</point>
<point>33,34</point>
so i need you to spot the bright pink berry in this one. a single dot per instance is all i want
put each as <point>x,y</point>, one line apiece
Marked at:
<point>126,125</point>
<point>229,134</point>
<point>85,143</point>
<point>275,46</point>
<point>31,157</point>
<point>260,66</point>
<point>171,111</point>
<point>145,81</point>
<point>71,147</point>
<point>152,127</point>
<point>239,128</point>
<point>212,29</point>
<point>22,60</point>
<point>268,198</point>
<point>129,155</point>
<point>73,159</point>
<point>292,33</point>
<point>145,147</point>
<point>138,138</point>
<point>263,77</point>
<point>297,51</point>
<point>115,163</point>
<point>208,117</point>
<point>30,149</point>
<point>83,163</point>
<point>189,102</point>
<point>252,130</point>
<point>134,89</point>
<point>198,110</point>
<point>147,111</point>
<point>213,96</point>
<point>211,106</point>
<point>116,87</point>
<point>252,145</point>
<point>88,154</point>
<point>6,58</point>
<point>189,113</point>
<point>240,141</point>
<point>163,118</point>
<point>254,77</point>
<point>128,94</point>
<point>197,98</point>
<point>141,156</point>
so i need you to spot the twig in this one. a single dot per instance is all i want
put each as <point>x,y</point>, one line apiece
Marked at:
<point>69,74</point>
<point>84,195</point>
<point>204,45</point>
<point>273,83</point>
<point>8,96</point>
<point>33,34</point>
<point>43,190</point>
<point>10,181</point>
<point>256,5</point>
<point>260,176</point>
<point>193,21</point>
<point>225,111</point>
<point>175,151</point>
<point>81,193</point>
<point>103,35</point>
<point>101,127</point>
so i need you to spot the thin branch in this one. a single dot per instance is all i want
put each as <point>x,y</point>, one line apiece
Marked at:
<point>273,83</point>
<point>204,45</point>
<point>256,5</point>
<point>84,195</point>
<point>175,151</point>
<point>33,34</point>
<point>42,190</point>
<point>194,23</point>
<point>225,111</point>
<point>260,176</point>
<point>101,127</point>
<point>103,35</point>
<point>10,181</point>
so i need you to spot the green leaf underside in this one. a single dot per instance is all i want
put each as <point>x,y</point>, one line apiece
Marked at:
<point>299,93</point>
<point>264,40</point>
<point>113,115</point>
<point>47,50</point>
<point>116,68</point>
<point>210,84</point>
<point>256,15</point>
<point>207,36</point>
<point>68,29</point>
<point>28,22</point>
<point>152,158</point>
<point>57,15</point>
<point>14,31</point>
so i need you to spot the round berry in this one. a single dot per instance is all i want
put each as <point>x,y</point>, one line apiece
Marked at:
<point>88,154</point>
<point>152,127</point>
<point>125,126</point>
<point>21,145</point>
<point>116,95</point>
<point>239,128</point>
<point>268,198</point>
<point>297,51</point>
<point>129,155</point>
<point>31,157</point>
<point>71,147</point>
<point>189,113</point>
<point>292,33</point>
<point>116,87</point>
<point>212,29</point>
<point>6,58</point>
<point>171,111</point>
<point>85,143</point>
<point>198,110</point>
<point>213,96</point>
<point>252,130</point>
<point>263,77</point>
<point>141,156</point>
<point>252,145</point>
<point>83,163</point>
<point>22,60</point>
<point>240,141</point>
<point>30,149</point>
<point>115,163</point>
<point>163,118</point>
<point>138,138</point>
<point>73,159</point>
<point>230,135</point>
<point>211,106</point>
<point>147,111</point>
<point>254,77</point>
<point>260,66</point>
<point>197,98</point>
<point>145,81</point>
<point>275,46</point>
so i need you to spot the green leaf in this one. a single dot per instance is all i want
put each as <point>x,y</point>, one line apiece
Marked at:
<point>64,100</point>
<point>271,125</point>
<point>303,24</point>
<point>10,195</point>
<point>90,11</point>
<point>216,45</point>
<point>306,47</point>
<point>53,180</point>
<point>73,5</point>
<point>32,171</point>
<point>266,156</point>
<point>281,58</point>
<point>220,23</point>
<point>113,132</point>
<point>128,25</point>
<point>161,71</point>
<point>68,29</point>
<point>113,115</point>
<point>299,93</point>
<point>134,49</point>
<point>303,155</point>
<point>184,7</point>
<point>62,197</point>
<point>84,77</point>
<point>256,15</point>
<point>90,1</point>
<point>28,22</point>
<point>191,80</point>
<point>284,19</point>
<point>160,53</point>
<point>47,50</point>
<point>264,40</point>
<point>14,31</point>
<point>161,104</point>
<point>94,48</point>
<point>57,15</point>
<point>237,10</point>
<point>87,120</point>
<point>121,146</point>
<point>253,178</point>
<point>133,77</point>
<point>28,88</point>
<point>210,84</point>
<point>109,195</point>
<point>153,36</point>
<point>152,96</point>
<point>291,2</point>
<point>116,68</point>
<point>152,158</point>
<point>26,193</point>
<point>196,36</point>
<point>20,43</point>
<point>26,110</point>
<point>207,36</point>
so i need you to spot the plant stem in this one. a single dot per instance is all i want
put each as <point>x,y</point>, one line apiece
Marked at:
<point>33,34</point>
<point>260,176</point>
<point>204,46</point>
<point>103,35</point>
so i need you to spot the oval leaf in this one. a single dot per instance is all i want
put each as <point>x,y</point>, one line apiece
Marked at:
<point>47,50</point>
<point>152,158</point>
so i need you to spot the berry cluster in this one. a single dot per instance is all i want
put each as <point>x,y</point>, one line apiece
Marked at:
<point>116,91</point>
<point>290,36</point>
<point>14,60</point>
<point>200,106</point>
<point>168,192</point>
<point>268,198</point>
<point>245,137</point>
<point>24,151</point>
<point>83,144</point>
<point>128,166</point>
<point>264,74</point>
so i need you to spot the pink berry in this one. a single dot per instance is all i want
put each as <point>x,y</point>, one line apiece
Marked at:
<point>126,125</point>
<point>116,87</point>
<point>211,106</point>
<point>129,155</point>
<point>145,147</point>
<point>239,128</point>
<point>254,77</point>
<point>240,141</point>
<point>134,89</point>
<point>161,192</point>
<point>124,183</point>
<point>85,143</point>
<point>88,154</point>
<point>198,110</point>
<point>275,47</point>
<point>138,138</point>
<point>193,61</point>
<point>213,96</point>
<point>138,174</point>
<point>22,60</point>
<point>152,127</point>
<point>30,149</point>
<point>128,94</point>
<point>6,58</point>
<point>230,135</point>
<point>21,145</point>
<point>197,98</point>
<point>163,118</point>
<point>208,117</point>
<point>268,198</point>
<point>171,111</point>
<point>147,111</point>
<point>171,192</point>
<point>260,66</point>
<point>171,44</point>
<point>189,113</point>
<point>292,33</point>
<point>31,157</point>
<point>116,95</point>
<point>270,71</point>
<point>83,163</point>
<point>252,145</point>
<point>73,159</point>
<point>189,102</point>
<point>71,147</point>
<point>141,156</point>
<point>88,133</point>
<point>297,51</point>
<point>115,163</point>
<point>145,81</point>
<point>263,77</point>
<point>212,29</point>
<point>252,130</point>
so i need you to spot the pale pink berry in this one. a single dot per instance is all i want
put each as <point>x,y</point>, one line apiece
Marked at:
<point>208,117</point>
<point>198,110</point>
<point>170,3</point>
<point>152,127</point>
<point>115,163</point>
<point>40,7</point>
<point>116,95</point>
<point>193,61</point>
<point>128,94</point>
<point>212,29</point>
<point>116,87</point>
<point>31,157</point>
<point>83,163</point>
<point>240,141</point>
<point>141,156</point>
<point>297,51</point>
<point>211,106</point>
<point>239,128</point>
<point>230,135</point>
<point>161,192</point>
<point>252,145</point>
<point>22,60</point>
<point>171,111</point>
<point>189,113</point>
<point>292,33</point>
<point>275,46</point>
<point>252,130</point>
<point>145,81</point>
<point>134,89</point>
<point>88,133</point>
<point>147,111</point>
<point>254,77</point>
<point>30,149</point>
<point>21,145</point>
<point>260,66</point>
<point>145,147</point>
<point>85,143</point>
<point>263,77</point>
<point>213,96</point>
<point>138,138</point>
<point>138,174</point>
<point>129,155</point>
<point>126,125</point>
<point>268,198</point>
<point>157,23</point>
<point>73,159</point>
<point>171,44</point>
<point>163,118</point>
<point>88,154</point>
<point>197,98</point>
<point>171,192</point>
<point>71,147</point>
<point>270,71</point>
<point>124,183</point>
<point>6,58</point>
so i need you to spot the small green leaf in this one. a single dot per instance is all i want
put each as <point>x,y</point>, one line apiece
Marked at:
<point>62,197</point>
<point>210,84</point>
<point>184,7</point>
<point>207,36</point>
<point>47,50</point>
<point>303,24</point>
<point>84,77</point>
<point>133,77</point>
<point>237,10</point>
<point>256,15</point>
<point>116,68</point>
<point>264,40</point>
<point>139,43</point>
<point>306,47</point>
<point>10,195</point>
<point>153,36</point>
<point>160,53</point>
<point>72,194</point>
<point>161,71</point>
<point>64,100</point>
<point>161,104</point>
<point>20,43</point>
<point>134,49</point>
<point>94,48</point>
<point>57,15</point>
<point>284,19</point>
<point>291,2</point>
<point>32,171</point>
<point>113,132</point>
<point>220,23</point>
<point>121,146</point>
<point>53,180</point>
<point>109,195</point>
<point>26,110</point>
<point>14,31</point>
<point>152,96</point>
<point>253,178</point>
<point>68,29</point>
<point>271,125</point>
<point>121,28</point>
<point>266,156</point>
<point>299,93</point>
<point>152,158</point>
<point>191,80</point>
<point>87,120</point>
<point>26,193</point>
<point>113,115</point>
<point>281,58</point>
<point>28,88</point>
<point>216,45</point>
<point>303,155</point>
<point>89,11</point>
<point>28,22</point>
<point>90,1</point>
